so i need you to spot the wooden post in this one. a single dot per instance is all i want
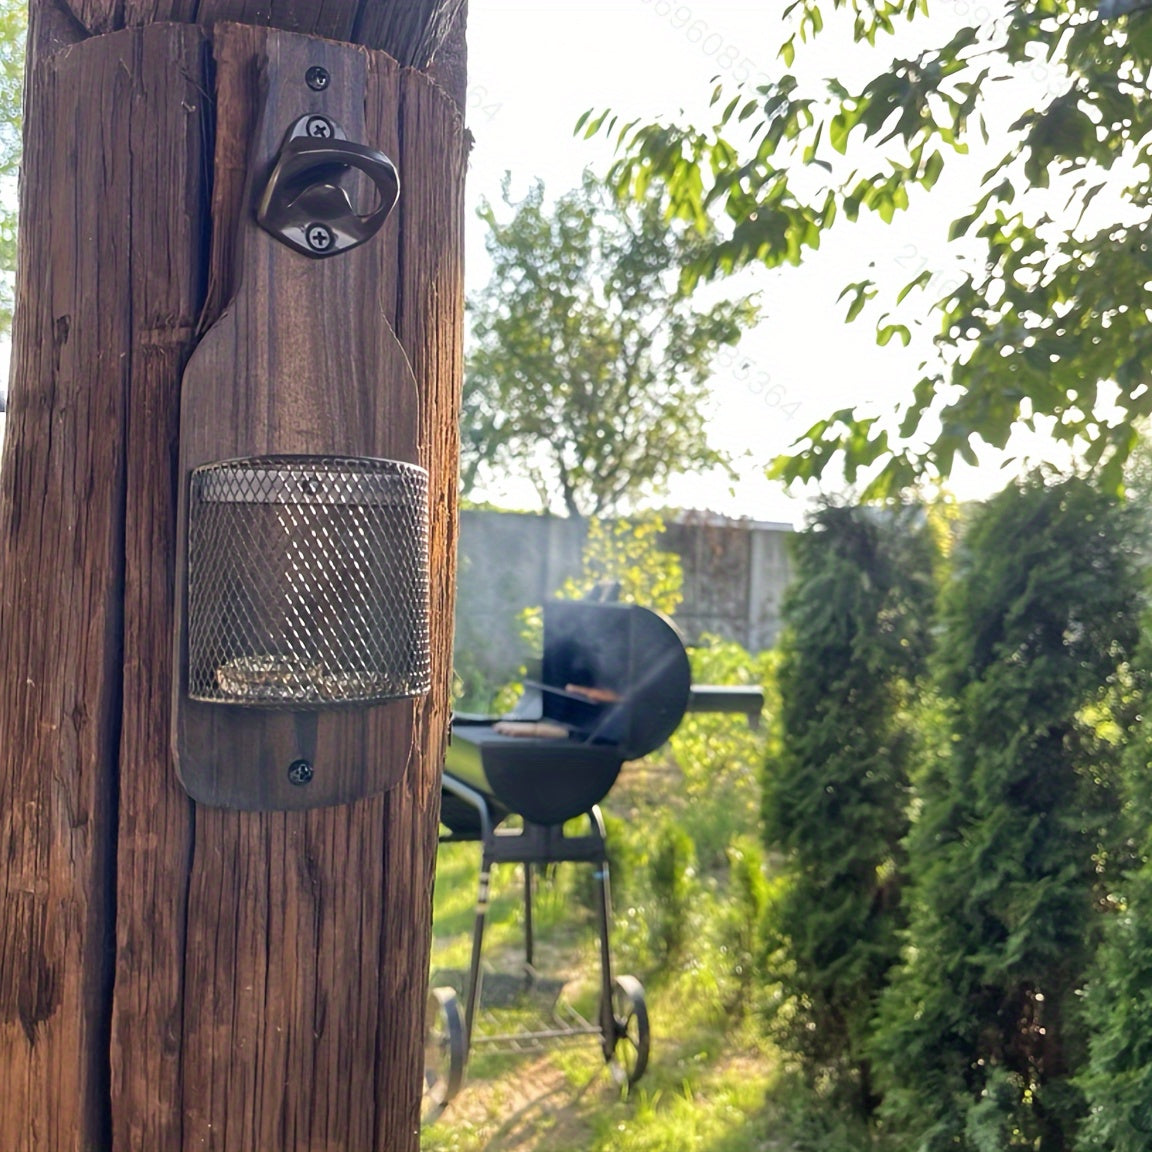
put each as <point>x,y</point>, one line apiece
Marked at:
<point>175,977</point>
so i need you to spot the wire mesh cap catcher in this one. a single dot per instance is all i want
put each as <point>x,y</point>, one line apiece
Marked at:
<point>307,581</point>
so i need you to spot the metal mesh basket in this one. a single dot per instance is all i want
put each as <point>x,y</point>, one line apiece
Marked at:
<point>307,581</point>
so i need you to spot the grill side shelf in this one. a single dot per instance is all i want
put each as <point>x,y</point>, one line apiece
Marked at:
<point>742,699</point>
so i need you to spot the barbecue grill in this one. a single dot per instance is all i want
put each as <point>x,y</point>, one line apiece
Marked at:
<point>613,684</point>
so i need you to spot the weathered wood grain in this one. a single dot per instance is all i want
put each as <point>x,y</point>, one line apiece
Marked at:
<point>431,307</point>
<point>282,980</point>
<point>410,31</point>
<point>449,64</point>
<point>154,820</point>
<point>335,19</point>
<point>51,26</point>
<point>107,147</point>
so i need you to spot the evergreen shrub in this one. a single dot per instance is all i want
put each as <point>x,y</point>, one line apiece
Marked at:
<point>836,787</point>
<point>980,1030</point>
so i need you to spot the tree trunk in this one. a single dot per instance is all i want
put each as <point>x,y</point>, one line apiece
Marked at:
<point>173,976</point>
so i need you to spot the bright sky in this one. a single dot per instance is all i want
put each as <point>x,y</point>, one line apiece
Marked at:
<point>534,68</point>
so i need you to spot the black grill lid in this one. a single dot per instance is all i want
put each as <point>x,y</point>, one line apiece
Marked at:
<point>626,649</point>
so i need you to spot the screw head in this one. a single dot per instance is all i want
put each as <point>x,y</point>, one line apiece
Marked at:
<point>319,237</point>
<point>300,772</point>
<point>317,78</point>
<point>319,128</point>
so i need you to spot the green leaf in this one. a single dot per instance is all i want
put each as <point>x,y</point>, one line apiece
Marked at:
<point>838,131</point>
<point>933,166</point>
<point>920,281</point>
<point>592,124</point>
<point>861,292</point>
<point>885,332</point>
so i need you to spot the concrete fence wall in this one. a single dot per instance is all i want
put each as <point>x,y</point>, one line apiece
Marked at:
<point>735,573</point>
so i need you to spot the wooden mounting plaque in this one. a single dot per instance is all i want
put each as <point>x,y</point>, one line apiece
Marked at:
<point>303,360</point>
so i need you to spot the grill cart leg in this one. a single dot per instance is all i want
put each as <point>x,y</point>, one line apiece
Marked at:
<point>604,921</point>
<point>473,997</point>
<point>529,949</point>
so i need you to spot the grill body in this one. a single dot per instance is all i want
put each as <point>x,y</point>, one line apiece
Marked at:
<point>614,684</point>
<point>614,676</point>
